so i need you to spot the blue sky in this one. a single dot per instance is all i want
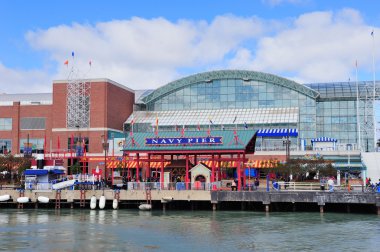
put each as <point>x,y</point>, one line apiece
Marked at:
<point>145,44</point>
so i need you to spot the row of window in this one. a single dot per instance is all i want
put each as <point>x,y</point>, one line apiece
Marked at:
<point>26,123</point>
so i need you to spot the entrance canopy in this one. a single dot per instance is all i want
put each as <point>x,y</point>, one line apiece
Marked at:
<point>197,142</point>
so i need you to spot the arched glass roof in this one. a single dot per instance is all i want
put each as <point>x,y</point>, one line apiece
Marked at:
<point>229,74</point>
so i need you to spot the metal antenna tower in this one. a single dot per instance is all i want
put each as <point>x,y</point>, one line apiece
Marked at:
<point>77,102</point>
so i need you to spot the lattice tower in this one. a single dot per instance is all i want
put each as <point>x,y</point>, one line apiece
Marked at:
<point>78,102</point>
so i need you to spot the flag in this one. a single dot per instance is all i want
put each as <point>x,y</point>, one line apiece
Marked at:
<point>372,33</point>
<point>156,123</point>
<point>183,130</point>
<point>234,119</point>
<point>72,54</point>
<point>84,146</point>
<point>71,146</point>
<point>211,122</point>
<point>90,63</point>
<point>66,62</point>
<point>199,127</point>
<point>45,144</point>
<point>245,125</point>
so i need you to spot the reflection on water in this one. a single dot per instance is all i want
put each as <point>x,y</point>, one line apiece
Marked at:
<point>134,230</point>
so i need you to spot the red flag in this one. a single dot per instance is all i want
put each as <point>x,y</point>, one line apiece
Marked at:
<point>71,145</point>
<point>58,145</point>
<point>183,130</point>
<point>66,62</point>
<point>199,127</point>
<point>45,144</point>
<point>84,147</point>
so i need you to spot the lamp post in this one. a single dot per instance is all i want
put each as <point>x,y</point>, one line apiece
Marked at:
<point>79,151</point>
<point>105,148</point>
<point>124,146</point>
<point>286,142</point>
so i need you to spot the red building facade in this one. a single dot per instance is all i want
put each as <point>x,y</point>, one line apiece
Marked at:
<point>41,120</point>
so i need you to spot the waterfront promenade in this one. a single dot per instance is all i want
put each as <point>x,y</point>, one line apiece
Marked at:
<point>208,199</point>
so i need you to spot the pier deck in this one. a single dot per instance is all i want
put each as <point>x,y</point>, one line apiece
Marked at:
<point>320,198</point>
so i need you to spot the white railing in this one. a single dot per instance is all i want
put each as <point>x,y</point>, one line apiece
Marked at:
<point>299,186</point>
<point>179,186</point>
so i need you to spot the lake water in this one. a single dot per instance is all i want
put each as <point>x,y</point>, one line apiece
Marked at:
<point>134,230</point>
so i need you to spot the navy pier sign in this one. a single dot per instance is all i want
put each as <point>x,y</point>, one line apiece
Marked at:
<point>184,140</point>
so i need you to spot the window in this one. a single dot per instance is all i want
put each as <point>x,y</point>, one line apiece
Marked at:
<point>33,123</point>
<point>5,146</point>
<point>31,145</point>
<point>5,123</point>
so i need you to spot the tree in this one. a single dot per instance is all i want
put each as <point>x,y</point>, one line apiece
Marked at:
<point>14,165</point>
<point>299,167</point>
<point>75,168</point>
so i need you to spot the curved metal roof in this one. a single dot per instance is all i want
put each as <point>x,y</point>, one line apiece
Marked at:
<point>229,74</point>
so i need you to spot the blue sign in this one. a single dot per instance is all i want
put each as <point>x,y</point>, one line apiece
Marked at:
<point>184,140</point>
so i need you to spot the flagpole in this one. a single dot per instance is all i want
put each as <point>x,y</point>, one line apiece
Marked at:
<point>374,89</point>
<point>357,105</point>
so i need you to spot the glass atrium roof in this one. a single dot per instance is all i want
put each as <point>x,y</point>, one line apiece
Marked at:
<point>220,117</point>
<point>342,89</point>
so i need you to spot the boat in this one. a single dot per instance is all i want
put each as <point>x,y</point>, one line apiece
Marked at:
<point>145,207</point>
<point>43,199</point>
<point>167,199</point>
<point>102,202</point>
<point>93,202</point>
<point>63,184</point>
<point>5,197</point>
<point>115,204</point>
<point>23,199</point>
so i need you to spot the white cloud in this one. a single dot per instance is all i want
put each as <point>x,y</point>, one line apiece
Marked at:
<point>21,81</point>
<point>142,53</point>
<point>147,53</point>
<point>318,46</point>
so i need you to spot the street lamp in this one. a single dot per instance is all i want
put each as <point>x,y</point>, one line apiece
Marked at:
<point>286,142</point>
<point>105,148</point>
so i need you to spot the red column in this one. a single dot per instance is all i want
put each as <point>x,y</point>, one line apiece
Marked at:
<point>238,173</point>
<point>212,169</point>
<point>187,172</point>
<point>138,168</point>
<point>244,178</point>
<point>219,169</point>
<point>147,172</point>
<point>162,172</point>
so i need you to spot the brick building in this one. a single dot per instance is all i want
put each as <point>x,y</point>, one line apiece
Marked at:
<point>87,112</point>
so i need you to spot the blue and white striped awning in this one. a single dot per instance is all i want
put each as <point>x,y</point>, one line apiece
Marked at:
<point>277,132</point>
<point>324,139</point>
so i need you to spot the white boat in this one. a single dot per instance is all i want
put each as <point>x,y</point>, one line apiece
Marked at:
<point>167,198</point>
<point>5,197</point>
<point>93,202</point>
<point>102,202</point>
<point>63,184</point>
<point>115,204</point>
<point>43,199</point>
<point>145,207</point>
<point>23,199</point>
